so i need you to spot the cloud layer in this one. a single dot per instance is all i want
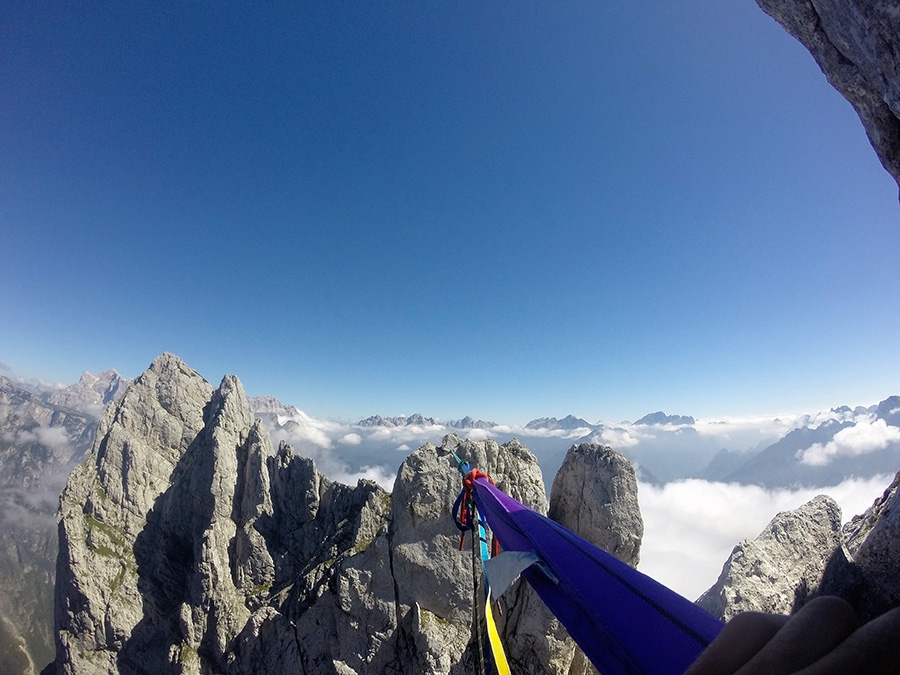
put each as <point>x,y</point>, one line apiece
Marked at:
<point>691,526</point>
<point>866,436</point>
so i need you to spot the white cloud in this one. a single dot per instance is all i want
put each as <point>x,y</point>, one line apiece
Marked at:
<point>866,436</point>
<point>478,434</point>
<point>54,438</point>
<point>379,474</point>
<point>418,434</point>
<point>301,430</point>
<point>726,425</point>
<point>351,439</point>
<point>831,415</point>
<point>580,432</point>
<point>743,433</point>
<point>42,385</point>
<point>618,438</point>
<point>300,436</point>
<point>522,432</point>
<point>691,526</point>
<point>30,508</point>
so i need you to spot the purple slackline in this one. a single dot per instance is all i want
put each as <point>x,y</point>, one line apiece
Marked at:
<point>624,621</point>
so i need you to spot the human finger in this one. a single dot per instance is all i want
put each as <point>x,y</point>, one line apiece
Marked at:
<point>736,644</point>
<point>816,629</point>
<point>873,649</point>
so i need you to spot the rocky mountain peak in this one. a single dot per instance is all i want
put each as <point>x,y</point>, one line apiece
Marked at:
<point>468,422</point>
<point>780,569</point>
<point>595,494</point>
<point>92,393</point>
<point>568,423</point>
<point>662,418</point>
<point>189,545</point>
<point>416,419</point>
<point>867,570</point>
<point>889,411</point>
<point>271,405</point>
<point>805,552</point>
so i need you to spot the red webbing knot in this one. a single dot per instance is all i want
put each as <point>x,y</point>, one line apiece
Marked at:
<point>469,480</point>
<point>467,507</point>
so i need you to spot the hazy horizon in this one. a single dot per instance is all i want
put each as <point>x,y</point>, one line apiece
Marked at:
<point>690,525</point>
<point>497,210</point>
<point>708,422</point>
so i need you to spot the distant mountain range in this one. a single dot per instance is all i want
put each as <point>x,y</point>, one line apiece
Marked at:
<point>568,423</point>
<point>814,449</point>
<point>45,431</point>
<point>661,419</point>
<point>417,419</point>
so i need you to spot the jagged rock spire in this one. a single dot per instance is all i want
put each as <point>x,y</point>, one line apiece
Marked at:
<point>189,545</point>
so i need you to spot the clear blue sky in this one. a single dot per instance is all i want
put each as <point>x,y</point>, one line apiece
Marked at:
<point>502,209</point>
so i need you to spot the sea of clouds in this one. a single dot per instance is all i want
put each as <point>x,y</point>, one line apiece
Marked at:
<point>690,525</point>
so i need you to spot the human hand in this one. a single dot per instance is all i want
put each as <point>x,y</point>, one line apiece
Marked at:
<point>822,638</point>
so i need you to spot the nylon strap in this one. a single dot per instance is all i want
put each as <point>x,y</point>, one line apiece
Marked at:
<point>468,519</point>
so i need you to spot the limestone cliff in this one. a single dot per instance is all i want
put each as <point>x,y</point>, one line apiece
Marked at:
<point>867,570</point>
<point>805,552</point>
<point>189,545</point>
<point>855,44</point>
<point>780,569</point>
<point>595,494</point>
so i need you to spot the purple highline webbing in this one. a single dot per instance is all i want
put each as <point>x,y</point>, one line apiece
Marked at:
<point>623,620</point>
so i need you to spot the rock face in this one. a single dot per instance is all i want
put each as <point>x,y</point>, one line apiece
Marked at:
<point>92,393</point>
<point>185,542</point>
<point>867,571</point>
<point>188,545</point>
<point>873,541</point>
<point>805,552</point>
<point>595,494</point>
<point>855,45</point>
<point>433,575</point>
<point>782,568</point>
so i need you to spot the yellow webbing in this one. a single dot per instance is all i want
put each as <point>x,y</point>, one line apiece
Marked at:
<point>494,638</point>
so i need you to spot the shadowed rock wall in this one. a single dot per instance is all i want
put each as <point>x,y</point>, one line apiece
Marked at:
<point>856,44</point>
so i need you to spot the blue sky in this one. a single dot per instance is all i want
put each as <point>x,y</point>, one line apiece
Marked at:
<point>505,210</point>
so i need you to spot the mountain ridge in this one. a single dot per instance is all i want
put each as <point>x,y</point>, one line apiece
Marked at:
<point>188,544</point>
<point>661,456</point>
<point>822,428</point>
